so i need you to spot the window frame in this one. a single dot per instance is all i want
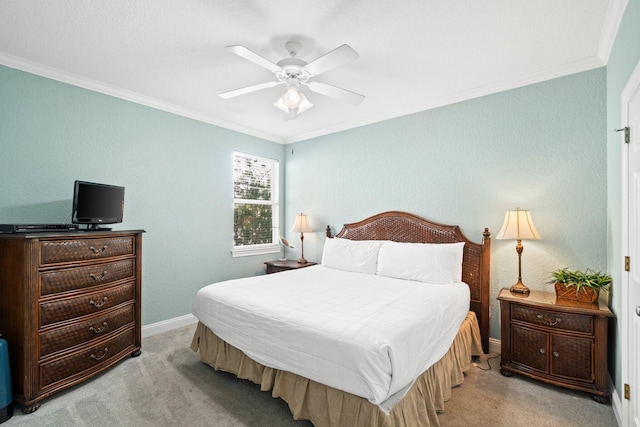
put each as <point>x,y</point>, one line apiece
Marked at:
<point>260,248</point>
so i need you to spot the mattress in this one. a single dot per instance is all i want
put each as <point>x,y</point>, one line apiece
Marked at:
<point>364,334</point>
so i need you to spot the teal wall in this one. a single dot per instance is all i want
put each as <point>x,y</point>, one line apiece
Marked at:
<point>540,147</point>
<point>177,173</point>
<point>624,57</point>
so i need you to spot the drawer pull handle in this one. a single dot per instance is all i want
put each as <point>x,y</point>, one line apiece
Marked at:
<point>543,351</point>
<point>556,354</point>
<point>548,322</point>
<point>98,329</point>
<point>98,251</point>
<point>98,304</point>
<point>101,356</point>
<point>98,278</point>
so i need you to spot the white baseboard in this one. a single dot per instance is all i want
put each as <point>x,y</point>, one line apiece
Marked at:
<point>616,404</point>
<point>168,325</point>
<point>494,346</point>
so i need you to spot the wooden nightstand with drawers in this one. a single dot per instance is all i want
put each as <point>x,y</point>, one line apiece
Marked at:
<point>560,343</point>
<point>284,265</point>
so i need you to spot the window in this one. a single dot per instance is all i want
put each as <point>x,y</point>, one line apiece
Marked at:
<point>256,210</point>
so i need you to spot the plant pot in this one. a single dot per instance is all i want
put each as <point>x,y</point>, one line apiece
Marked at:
<point>568,293</point>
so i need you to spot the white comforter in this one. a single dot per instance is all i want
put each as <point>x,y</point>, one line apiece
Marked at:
<point>361,333</point>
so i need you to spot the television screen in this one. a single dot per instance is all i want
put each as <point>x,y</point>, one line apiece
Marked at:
<point>97,203</point>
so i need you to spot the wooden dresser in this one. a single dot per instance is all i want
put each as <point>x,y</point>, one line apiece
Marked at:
<point>70,307</point>
<point>561,343</point>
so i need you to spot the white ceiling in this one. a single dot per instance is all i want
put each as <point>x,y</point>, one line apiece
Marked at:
<point>414,54</point>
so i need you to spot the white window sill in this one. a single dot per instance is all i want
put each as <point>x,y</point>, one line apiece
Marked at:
<point>241,251</point>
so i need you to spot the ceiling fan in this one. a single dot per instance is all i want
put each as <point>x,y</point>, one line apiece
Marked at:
<point>294,72</point>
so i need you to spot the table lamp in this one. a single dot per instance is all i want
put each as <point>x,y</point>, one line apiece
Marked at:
<point>518,226</point>
<point>301,225</point>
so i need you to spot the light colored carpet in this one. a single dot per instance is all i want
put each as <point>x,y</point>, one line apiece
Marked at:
<point>167,385</point>
<point>487,398</point>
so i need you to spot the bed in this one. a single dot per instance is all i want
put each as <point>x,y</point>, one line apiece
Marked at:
<point>368,338</point>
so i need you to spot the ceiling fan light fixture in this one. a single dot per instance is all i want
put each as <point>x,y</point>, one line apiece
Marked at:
<point>292,97</point>
<point>304,104</point>
<point>292,100</point>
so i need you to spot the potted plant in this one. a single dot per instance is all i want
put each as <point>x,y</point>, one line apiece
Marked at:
<point>577,285</point>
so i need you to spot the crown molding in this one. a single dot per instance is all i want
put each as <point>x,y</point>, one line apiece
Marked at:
<point>96,86</point>
<point>612,20</point>
<point>106,89</point>
<point>544,75</point>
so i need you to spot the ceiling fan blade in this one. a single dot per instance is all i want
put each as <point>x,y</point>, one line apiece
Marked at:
<point>248,89</point>
<point>337,57</point>
<point>337,93</point>
<point>250,55</point>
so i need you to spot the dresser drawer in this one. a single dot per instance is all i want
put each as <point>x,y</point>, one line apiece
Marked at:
<point>84,361</point>
<point>83,332</point>
<point>69,279</point>
<point>553,319</point>
<point>94,302</point>
<point>58,251</point>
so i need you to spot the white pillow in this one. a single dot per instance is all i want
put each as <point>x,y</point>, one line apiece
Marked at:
<point>351,255</point>
<point>424,262</point>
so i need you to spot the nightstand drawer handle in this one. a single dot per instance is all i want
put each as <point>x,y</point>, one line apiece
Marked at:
<point>98,304</point>
<point>548,322</point>
<point>543,351</point>
<point>556,354</point>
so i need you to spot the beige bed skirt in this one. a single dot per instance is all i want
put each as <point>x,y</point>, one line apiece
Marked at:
<point>327,406</point>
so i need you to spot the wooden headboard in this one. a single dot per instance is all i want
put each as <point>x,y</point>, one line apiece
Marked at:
<point>405,227</point>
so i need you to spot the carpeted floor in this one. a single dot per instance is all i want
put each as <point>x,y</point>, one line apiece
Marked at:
<point>168,386</point>
<point>486,398</point>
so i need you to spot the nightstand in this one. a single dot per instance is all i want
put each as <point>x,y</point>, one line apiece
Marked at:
<point>288,264</point>
<point>560,343</point>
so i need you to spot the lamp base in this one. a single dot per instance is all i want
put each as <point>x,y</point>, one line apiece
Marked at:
<point>520,288</point>
<point>302,261</point>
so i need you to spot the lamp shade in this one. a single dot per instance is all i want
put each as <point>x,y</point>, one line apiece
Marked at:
<point>286,102</point>
<point>518,226</point>
<point>301,224</point>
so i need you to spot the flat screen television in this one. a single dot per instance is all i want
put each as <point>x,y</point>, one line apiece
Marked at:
<point>95,204</point>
